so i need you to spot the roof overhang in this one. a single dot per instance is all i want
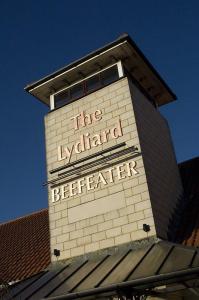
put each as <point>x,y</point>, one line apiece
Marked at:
<point>137,269</point>
<point>123,49</point>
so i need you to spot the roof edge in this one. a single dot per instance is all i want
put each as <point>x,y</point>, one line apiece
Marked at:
<point>188,160</point>
<point>23,217</point>
<point>75,63</point>
<point>157,279</point>
<point>121,38</point>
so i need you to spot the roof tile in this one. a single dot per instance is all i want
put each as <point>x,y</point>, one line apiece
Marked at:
<point>25,246</point>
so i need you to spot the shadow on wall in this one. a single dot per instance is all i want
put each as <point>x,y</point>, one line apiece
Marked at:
<point>176,219</point>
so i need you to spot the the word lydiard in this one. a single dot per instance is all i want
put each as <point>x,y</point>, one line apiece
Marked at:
<point>94,181</point>
<point>87,141</point>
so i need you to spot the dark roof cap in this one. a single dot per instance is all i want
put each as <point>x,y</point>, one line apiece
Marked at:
<point>123,48</point>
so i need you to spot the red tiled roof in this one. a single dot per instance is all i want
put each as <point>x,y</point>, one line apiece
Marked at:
<point>24,246</point>
<point>189,230</point>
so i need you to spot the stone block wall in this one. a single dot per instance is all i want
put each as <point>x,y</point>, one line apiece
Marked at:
<point>114,211</point>
<point>164,182</point>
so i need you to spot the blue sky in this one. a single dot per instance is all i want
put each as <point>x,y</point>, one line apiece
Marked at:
<point>38,37</point>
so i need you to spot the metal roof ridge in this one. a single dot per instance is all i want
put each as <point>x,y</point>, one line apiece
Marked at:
<point>132,283</point>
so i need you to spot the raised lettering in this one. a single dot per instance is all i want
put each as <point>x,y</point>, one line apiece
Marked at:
<point>60,153</point>
<point>97,115</point>
<point>72,188</point>
<point>80,185</point>
<point>89,181</point>
<point>87,141</point>
<point>55,195</point>
<point>80,146</point>
<point>85,119</point>
<point>76,124</point>
<point>120,171</point>
<point>64,191</point>
<point>96,140</point>
<point>110,172</point>
<point>100,179</point>
<point>131,168</point>
<point>69,152</point>
<point>116,131</point>
<point>105,134</point>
